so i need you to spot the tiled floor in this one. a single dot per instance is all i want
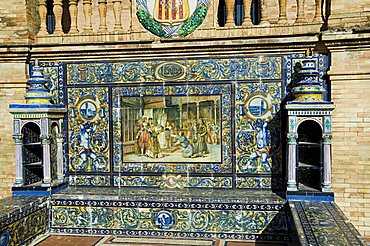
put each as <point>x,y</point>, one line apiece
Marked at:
<point>70,241</point>
<point>67,240</point>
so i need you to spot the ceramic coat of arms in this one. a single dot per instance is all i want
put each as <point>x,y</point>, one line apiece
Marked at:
<point>171,18</point>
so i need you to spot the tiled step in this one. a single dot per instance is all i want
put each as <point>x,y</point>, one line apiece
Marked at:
<point>180,213</point>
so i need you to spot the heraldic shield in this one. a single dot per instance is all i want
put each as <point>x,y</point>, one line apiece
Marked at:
<point>171,11</point>
<point>171,18</point>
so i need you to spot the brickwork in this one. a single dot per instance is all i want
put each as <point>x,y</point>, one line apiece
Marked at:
<point>12,89</point>
<point>14,25</point>
<point>349,13</point>
<point>350,76</point>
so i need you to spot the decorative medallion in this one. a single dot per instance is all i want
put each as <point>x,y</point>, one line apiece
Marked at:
<point>163,219</point>
<point>171,18</point>
<point>170,71</point>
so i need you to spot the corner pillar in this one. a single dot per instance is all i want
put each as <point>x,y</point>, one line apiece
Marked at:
<point>60,171</point>
<point>45,141</point>
<point>326,184</point>
<point>292,162</point>
<point>18,140</point>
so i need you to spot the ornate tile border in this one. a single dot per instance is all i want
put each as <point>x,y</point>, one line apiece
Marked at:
<point>155,218</point>
<point>219,69</point>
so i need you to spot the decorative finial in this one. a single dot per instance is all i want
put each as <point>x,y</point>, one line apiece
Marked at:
<point>309,52</point>
<point>309,88</point>
<point>37,93</point>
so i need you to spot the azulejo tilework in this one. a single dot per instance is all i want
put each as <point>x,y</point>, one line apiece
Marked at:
<point>53,72</point>
<point>22,219</point>
<point>258,144</point>
<point>201,117</point>
<point>90,180</point>
<point>323,224</point>
<point>219,161</point>
<point>250,68</point>
<point>172,181</point>
<point>88,130</point>
<point>224,218</point>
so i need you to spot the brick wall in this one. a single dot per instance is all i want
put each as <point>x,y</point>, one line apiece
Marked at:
<point>12,89</point>
<point>350,76</point>
<point>344,13</point>
<point>14,24</point>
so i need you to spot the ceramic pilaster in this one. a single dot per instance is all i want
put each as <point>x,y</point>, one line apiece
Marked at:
<point>18,140</point>
<point>45,140</point>
<point>60,173</point>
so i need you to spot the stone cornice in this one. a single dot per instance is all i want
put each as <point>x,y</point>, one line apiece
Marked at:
<point>346,40</point>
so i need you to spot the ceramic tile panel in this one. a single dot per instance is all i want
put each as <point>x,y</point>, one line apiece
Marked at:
<point>236,101</point>
<point>323,223</point>
<point>88,128</point>
<point>173,214</point>
<point>177,70</point>
<point>22,219</point>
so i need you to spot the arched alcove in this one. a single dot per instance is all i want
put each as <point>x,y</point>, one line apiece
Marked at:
<point>309,155</point>
<point>32,154</point>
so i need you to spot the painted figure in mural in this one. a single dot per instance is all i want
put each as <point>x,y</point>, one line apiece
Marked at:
<point>184,142</point>
<point>262,133</point>
<point>168,131</point>
<point>143,136</point>
<point>212,133</point>
<point>200,140</point>
<point>154,148</point>
<point>84,142</point>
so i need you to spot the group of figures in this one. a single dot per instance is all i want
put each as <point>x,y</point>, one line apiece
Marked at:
<point>155,140</point>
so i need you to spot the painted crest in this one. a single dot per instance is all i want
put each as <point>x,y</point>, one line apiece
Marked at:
<point>171,18</point>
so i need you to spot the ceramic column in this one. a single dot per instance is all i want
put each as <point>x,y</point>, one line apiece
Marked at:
<point>42,13</point>
<point>73,14</point>
<point>45,141</point>
<point>18,140</point>
<point>60,173</point>
<point>117,10</point>
<point>326,184</point>
<point>292,162</point>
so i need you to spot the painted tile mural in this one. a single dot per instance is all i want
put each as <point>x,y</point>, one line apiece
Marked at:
<point>139,122</point>
<point>88,130</point>
<point>177,129</point>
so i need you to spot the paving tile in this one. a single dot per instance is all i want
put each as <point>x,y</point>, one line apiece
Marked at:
<point>70,241</point>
